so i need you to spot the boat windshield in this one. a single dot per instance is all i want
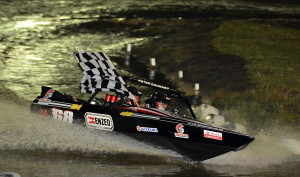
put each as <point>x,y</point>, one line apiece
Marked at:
<point>177,102</point>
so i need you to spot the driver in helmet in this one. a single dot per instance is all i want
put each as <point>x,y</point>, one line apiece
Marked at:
<point>137,95</point>
<point>158,101</point>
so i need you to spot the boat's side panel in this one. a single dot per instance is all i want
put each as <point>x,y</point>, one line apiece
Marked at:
<point>67,111</point>
<point>189,137</point>
<point>193,150</point>
<point>177,128</point>
<point>196,141</point>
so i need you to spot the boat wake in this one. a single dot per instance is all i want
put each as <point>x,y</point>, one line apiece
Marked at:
<point>23,131</point>
<point>272,145</point>
<point>266,150</point>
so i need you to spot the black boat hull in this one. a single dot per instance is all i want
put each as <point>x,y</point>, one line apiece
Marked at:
<point>192,150</point>
<point>189,137</point>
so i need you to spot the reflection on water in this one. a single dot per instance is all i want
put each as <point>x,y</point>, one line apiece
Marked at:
<point>34,63</point>
<point>37,39</point>
<point>59,165</point>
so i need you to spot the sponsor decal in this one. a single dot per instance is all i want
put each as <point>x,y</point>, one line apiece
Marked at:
<point>66,116</point>
<point>213,135</point>
<point>99,121</point>
<point>76,106</point>
<point>47,96</point>
<point>146,129</point>
<point>153,84</point>
<point>180,132</point>
<point>127,114</point>
<point>44,112</point>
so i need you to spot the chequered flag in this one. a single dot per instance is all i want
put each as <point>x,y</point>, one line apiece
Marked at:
<point>99,73</point>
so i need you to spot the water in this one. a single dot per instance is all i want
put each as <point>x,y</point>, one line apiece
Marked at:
<point>32,145</point>
<point>37,40</point>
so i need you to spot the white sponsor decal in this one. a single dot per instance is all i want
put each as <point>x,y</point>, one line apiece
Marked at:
<point>99,121</point>
<point>180,132</point>
<point>146,129</point>
<point>213,135</point>
<point>153,84</point>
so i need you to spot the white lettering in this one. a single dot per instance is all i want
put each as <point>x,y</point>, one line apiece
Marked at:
<point>66,116</point>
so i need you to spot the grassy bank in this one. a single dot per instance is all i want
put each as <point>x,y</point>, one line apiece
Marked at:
<point>187,47</point>
<point>273,65</point>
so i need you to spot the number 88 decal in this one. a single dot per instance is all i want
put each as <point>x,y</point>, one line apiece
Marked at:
<point>66,116</point>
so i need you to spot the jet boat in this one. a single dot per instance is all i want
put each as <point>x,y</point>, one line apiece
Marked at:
<point>112,107</point>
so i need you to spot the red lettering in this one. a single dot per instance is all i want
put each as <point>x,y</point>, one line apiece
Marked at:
<point>44,112</point>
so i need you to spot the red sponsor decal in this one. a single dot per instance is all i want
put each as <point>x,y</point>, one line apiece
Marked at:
<point>180,132</point>
<point>92,120</point>
<point>47,96</point>
<point>213,135</point>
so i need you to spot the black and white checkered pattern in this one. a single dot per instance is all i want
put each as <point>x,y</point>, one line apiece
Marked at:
<point>99,73</point>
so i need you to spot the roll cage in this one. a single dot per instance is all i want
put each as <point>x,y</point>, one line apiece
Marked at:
<point>172,93</point>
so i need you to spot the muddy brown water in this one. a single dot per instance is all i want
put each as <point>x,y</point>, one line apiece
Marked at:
<point>37,39</point>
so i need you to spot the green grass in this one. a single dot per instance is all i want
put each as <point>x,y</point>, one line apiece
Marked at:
<point>273,64</point>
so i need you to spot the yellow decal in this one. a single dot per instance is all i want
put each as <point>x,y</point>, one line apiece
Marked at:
<point>127,114</point>
<point>76,106</point>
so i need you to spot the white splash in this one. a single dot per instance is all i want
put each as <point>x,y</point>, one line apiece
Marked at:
<point>22,130</point>
<point>267,149</point>
<point>271,146</point>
